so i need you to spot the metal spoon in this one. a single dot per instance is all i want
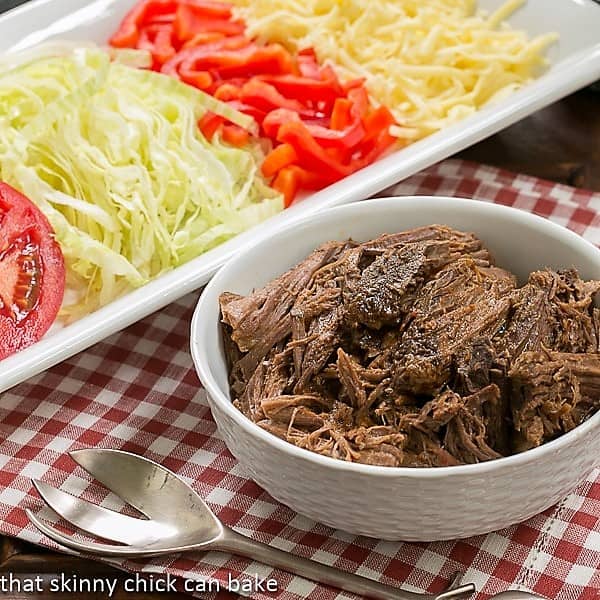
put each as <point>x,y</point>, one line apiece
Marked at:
<point>178,520</point>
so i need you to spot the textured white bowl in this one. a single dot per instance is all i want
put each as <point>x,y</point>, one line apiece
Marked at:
<point>420,504</point>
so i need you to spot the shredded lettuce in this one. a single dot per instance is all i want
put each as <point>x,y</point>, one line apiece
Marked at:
<point>113,156</point>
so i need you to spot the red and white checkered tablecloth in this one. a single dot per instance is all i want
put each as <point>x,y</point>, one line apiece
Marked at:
<point>138,391</point>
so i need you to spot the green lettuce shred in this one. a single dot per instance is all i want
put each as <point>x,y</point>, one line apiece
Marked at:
<point>114,158</point>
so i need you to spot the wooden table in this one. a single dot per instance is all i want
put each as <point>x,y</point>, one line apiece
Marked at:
<point>561,143</point>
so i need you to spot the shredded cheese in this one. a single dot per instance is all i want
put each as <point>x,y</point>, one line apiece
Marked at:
<point>432,62</point>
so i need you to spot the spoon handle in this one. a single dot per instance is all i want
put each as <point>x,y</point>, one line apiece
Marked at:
<point>235,543</point>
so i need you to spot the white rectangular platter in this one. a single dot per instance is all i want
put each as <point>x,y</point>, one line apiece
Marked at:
<point>575,63</point>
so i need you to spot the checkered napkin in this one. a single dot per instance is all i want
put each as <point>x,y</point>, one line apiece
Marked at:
<point>138,391</point>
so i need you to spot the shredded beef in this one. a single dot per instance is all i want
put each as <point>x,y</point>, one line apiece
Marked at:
<point>414,349</point>
<point>461,302</point>
<point>553,392</point>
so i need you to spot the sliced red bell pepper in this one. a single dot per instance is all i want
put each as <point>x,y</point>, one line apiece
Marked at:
<point>166,19</point>
<point>360,99</point>
<point>341,115</point>
<point>311,155</point>
<point>209,8</point>
<point>226,92</point>
<point>235,135</point>
<point>308,65</point>
<point>287,183</point>
<point>305,89</point>
<point>203,80</point>
<point>328,74</point>
<point>290,180</point>
<point>232,57</point>
<point>344,139</point>
<point>275,119</point>
<point>252,60</point>
<point>326,137</point>
<point>209,124</point>
<point>382,143</point>
<point>373,149</point>
<point>352,84</point>
<point>376,123</point>
<point>280,157</point>
<point>142,13</point>
<point>203,38</point>
<point>266,97</point>
<point>309,180</point>
<point>188,55</point>
<point>204,17</point>
<point>158,41</point>
<point>184,66</point>
<point>257,114</point>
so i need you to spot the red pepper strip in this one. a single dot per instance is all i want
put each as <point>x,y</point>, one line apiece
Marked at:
<point>252,111</point>
<point>305,89</point>
<point>290,180</point>
<point>345,139</point>
<point>326,73</point>
<point>360,98</point>
<point>280,157</point>
<point>275,119</point>
<point>311,155</point>
<point>167,19</point>
<point>185,59</point>
<point>374,148</point>
<point>219,43</point>
<point>209,124</point>
<point>341,116</point>
<point>157,40</point>
<point>235,135</point>
<point>287,183</point>
<point>376,122</point>
<point>189,30</point>
<point>341,154</point>
<point>233,83</point>
<point>228,61</point>
<point>202,80</point>
<point>252,60</point>
<point>352,84</point>
<point>210,8</point>
<point>144,12</point>
<point>309,180</point>
<point>328,163</point>
<point>383,141</point>
<point>203,38</point>
<point>266,97</point>
<point>191,19</point>
<point>316,127</point>
<point>308,65</point>
<point>324,137</point>
<point>226,92</point>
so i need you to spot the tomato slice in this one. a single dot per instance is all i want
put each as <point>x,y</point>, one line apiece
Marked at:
<point>32,272</point>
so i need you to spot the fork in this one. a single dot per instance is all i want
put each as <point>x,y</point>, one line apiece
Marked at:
<point>178,520</point>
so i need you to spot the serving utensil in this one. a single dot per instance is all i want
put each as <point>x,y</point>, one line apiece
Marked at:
<point>178,520</point>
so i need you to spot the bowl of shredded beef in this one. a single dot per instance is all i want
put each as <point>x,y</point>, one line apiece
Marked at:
<point>409,368</point>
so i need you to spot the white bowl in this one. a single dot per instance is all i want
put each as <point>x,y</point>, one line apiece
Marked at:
<point>413,504</point>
